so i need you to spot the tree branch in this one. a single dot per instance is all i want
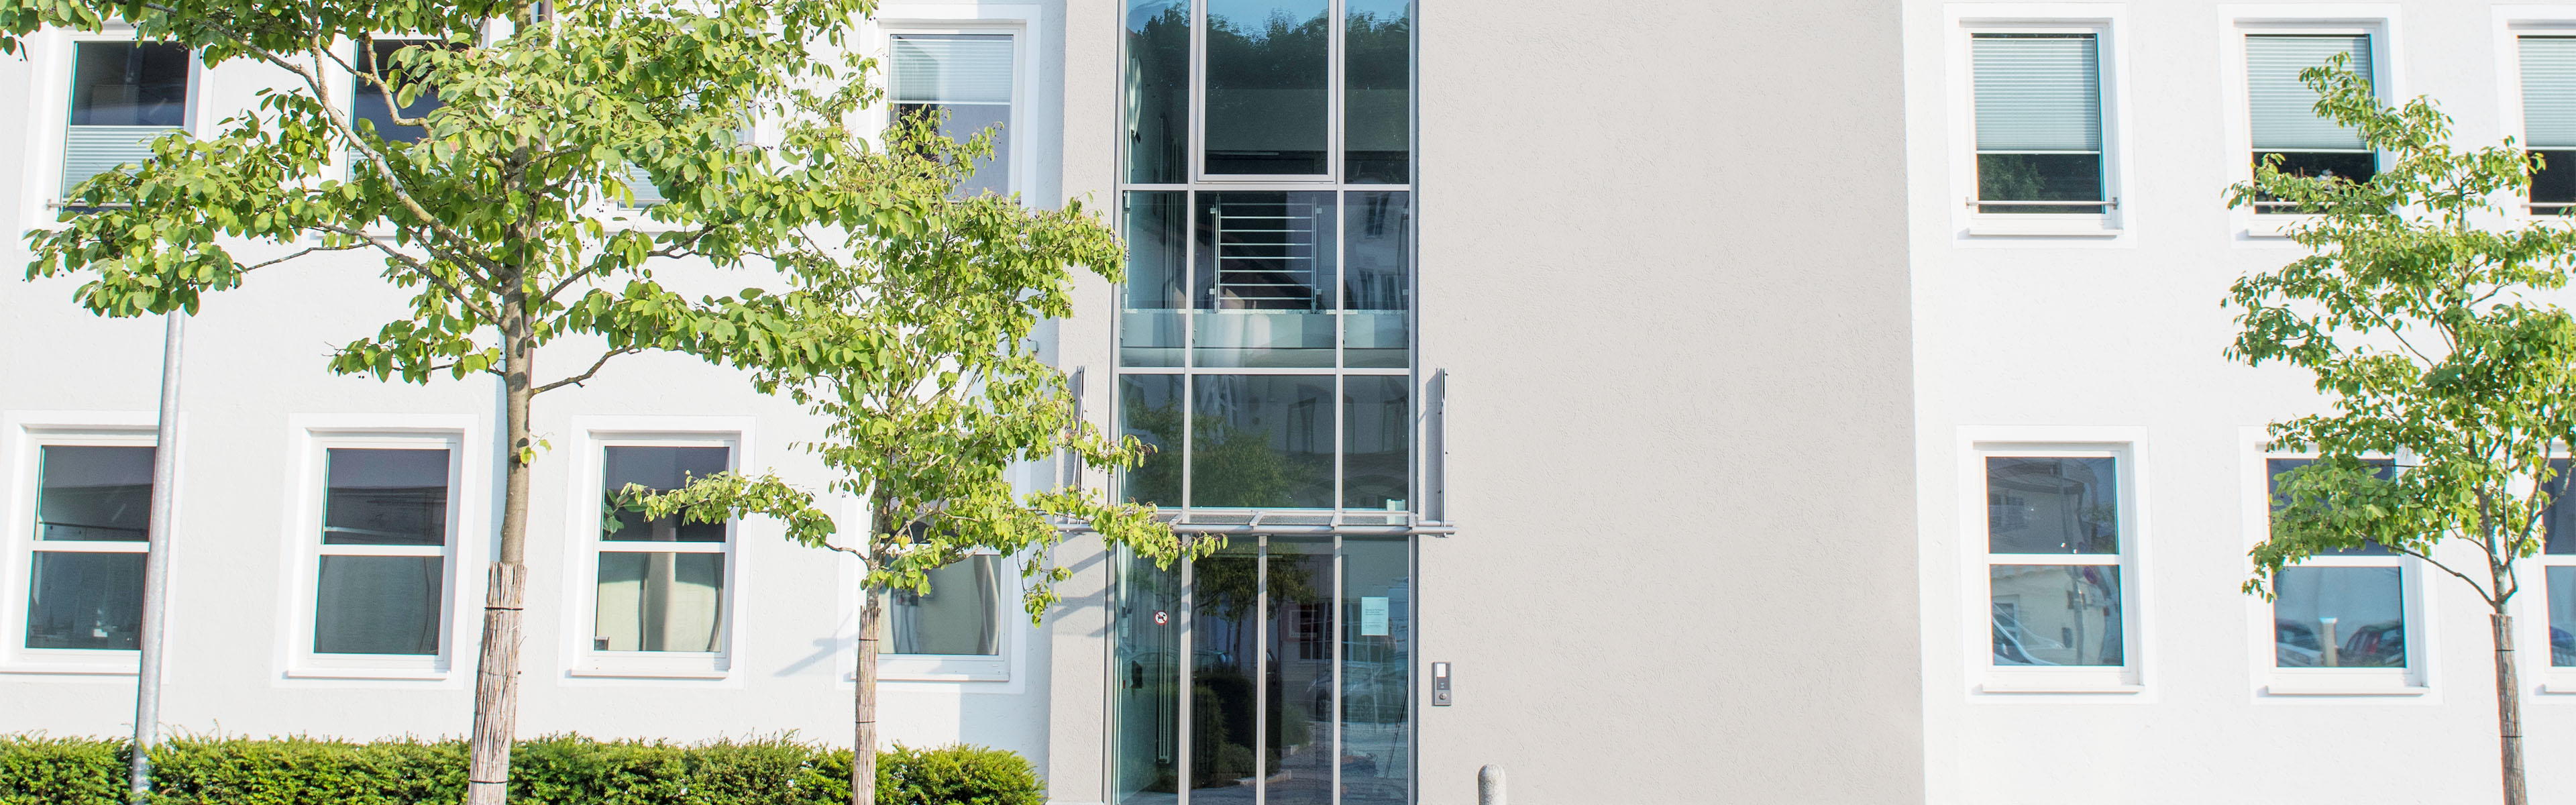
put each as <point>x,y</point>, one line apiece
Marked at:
<point>576,380</point>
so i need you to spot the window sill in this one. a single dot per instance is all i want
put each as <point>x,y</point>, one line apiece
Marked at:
<point>939,668</point>
<point>2302,685</point>
<point>389,674</point>
<point>2088,684</point>
<point>71,669</point>
<point>699,667</point>
<point>2086,227</point>
<point>2559,685</point>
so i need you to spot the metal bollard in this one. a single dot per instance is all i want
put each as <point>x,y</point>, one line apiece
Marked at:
<point>1489,786</point>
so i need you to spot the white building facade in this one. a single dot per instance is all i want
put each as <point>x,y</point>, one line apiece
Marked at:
<point>1505,346</point>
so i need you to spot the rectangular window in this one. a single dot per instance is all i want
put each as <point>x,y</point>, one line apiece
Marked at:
<point>1268,77</point>
<point>124,94</point>
<point>381,573</point>
<point>2284,121</point>
<point>2039,123</point>
<point>2558,561</point>
<point>1377,91</point>
<point>2053,560</point>
<point>966,78</point>
<point>2346,609</point>
<point>372,109</point>
<point>2549,119</point>
<point>661,583</point>
<point>85,586</point>
<point>959,615</point>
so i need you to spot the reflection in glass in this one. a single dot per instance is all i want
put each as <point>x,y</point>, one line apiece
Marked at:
<point>87,494</point>
<point>1268,64</point>
<point>1377,91</point>
<point>961,614</point>
<point>85,600</point>
<point>2278,469</point>
<point>1158,91</point>
<point>2057,615</point>
<point>660,602</point>
<point>2345,165</point>
<point>1158,285</point>
<point>2553,183</point>
<point>1377,444</point>
<point>2039,177</point>
<point>1224,618</point>
<point>1262,441</point>
<point>2052,505</point>
<point>965,79</point>
<point>2338,617</point>
<point>2558,521</point>
<point>1146,682</point>
<point>369,102</point>
<point>1266,276</point>
<point>1150,412</point>
<point>1377,662</point>
<point>378,604</point>
<point>1377,283</point>
<point>385,497</point>
<point>130,84</point>
<point>1297,746</point>
<point>660,469</point>
<point>2562,615</point>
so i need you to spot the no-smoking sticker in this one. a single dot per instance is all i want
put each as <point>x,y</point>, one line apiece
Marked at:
<point>1162,618</point>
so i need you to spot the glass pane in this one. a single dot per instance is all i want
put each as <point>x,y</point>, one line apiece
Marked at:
<point>2357,167</point>
<point>1158,284</point>
<point>1377,662</point>
<point>1158,91</point>
<point>1150,412</point>
<point>1146,675</point>
<point>1265,271</point>
<point>378,605</point>
<point>2558,522</point>
<point>959,615</point>
<point>1223,629</point>
<point>660,602</point>
<point>1268,62</point>
<point>2554,183</point>
<point>2057,615</point>
<point>2052,505</point>
<point>1297,761</point>
<point>1378,284</point>
<point>385,497</point>
<point>967,78</point>
<point>2562,615</point>
<point>1262,441</point>
<point>370,104</point>
<point>2339,617</point>
<point>85,600</point>
<point>2276,467</point>
<point>1377,442</point>
<point>2039,177</point>
<point>130,84</point>
<point>661,469</point>
<point>1377,91</point>
<point>92,494</point>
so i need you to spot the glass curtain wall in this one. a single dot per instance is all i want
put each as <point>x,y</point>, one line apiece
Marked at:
<point>1265,332</point>
<point>1296,655</point>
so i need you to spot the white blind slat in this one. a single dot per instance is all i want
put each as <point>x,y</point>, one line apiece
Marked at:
<point>2549,91</point>
<point>951,69</point>
<point>92,150</point>
<point>2284,110</point>
<point>640,184</point>
<point>2038,93</point>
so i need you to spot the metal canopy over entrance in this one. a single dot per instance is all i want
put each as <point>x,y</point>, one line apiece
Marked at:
<point>1296,653</point>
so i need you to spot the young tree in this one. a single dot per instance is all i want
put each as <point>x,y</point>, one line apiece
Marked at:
<point>933,392</point>
<point>546,112</point>
<point>2432,331</point>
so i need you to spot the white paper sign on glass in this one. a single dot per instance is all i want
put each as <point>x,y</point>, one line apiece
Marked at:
<point>1372,616</point>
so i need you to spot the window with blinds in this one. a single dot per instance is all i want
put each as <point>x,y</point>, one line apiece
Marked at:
<point>124,94</point>
<point>966,80</point>
<point>2039,123</point>
<point>2283,110</point>
<point>2549,119</point>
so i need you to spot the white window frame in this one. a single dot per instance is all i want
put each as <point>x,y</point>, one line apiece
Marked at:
<point>51,119</point>
<point>2512,23</point>
<point>2531,614</point>
<point>2105,23</point>
<point>583,544</point>
<point>316,436</point>
<point>1334,90</point>
<point>22,435</point>
<point>1976,607</point>
<point>2377,21</point>
<point>1022,23</point>
<point>2273,680</point>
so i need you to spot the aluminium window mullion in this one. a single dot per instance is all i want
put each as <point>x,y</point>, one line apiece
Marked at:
<point>1262,662</point>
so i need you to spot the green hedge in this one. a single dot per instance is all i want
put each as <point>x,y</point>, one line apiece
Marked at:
<point>563,770</point>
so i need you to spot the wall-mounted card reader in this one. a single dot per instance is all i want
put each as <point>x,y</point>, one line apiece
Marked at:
<point>1439,684</point>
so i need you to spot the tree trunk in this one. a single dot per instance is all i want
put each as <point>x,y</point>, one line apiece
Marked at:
<point>2508,709</point>
<point>863,749</point>
<point>496,684</point>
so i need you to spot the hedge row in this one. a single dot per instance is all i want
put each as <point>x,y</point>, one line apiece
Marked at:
<point>564,770</point>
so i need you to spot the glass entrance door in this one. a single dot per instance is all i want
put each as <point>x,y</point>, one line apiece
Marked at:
<point>1296,655</point>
